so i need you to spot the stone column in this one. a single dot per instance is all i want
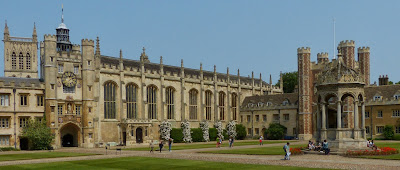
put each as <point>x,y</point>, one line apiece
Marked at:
<point>323,127</point>
<point>356,121</point>
<point>363,118</point>
<point>339,115</point>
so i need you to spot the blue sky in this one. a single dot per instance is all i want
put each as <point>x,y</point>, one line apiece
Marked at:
<point>259,36</point>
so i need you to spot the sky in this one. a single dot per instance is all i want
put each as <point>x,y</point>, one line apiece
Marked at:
<point>258,35</point>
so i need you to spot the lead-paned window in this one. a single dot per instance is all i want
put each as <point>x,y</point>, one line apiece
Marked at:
<point>131,101</point>
<point>23,121</point>
<point>78,109</point>
<point>396,113</point>
<point>14,61</point>
<point>234,106</point>
<point>379,129</point>
<point>152,102</point>
<point>5,140</point>
<point>4,122</point>
<point>4,100</point>
<point>221,105</point>
<point>208,105</point>
<point>23,99</point>
<point>193,104</point>
<point>169,94</point>
<point>60,109</point>
<point>40,100</point>
<point>28,61</point>
<point>21,61</point>
<point>109,100</point>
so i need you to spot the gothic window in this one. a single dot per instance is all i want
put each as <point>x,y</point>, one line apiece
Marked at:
<point>193,104</point>
<point>221,103</point>
<point>152,102</point>
<point>21,61</point>
<point>131,101</point>
<point>208,104</point>
<point>169,94</point>
<point>14,61</point>
<point>234,105</point>
<point>28,61</point>
<point>109,100</point>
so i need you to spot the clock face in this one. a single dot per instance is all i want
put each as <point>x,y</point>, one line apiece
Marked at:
<point>69,79</point>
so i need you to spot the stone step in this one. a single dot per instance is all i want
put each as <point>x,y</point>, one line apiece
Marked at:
<point>332,152</point>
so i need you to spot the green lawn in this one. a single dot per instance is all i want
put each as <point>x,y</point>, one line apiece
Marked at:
<point>143,163</point>
<point>386,144</point>
<point>205,145</point>
<point>274,150</point>
<point>39,155</point>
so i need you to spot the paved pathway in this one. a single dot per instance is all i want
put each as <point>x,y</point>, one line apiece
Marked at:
<point>311,161</point>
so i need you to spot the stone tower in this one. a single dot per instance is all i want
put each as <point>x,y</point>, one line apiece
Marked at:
<point>346,48</point>
<point>305,96</point>
<point>20,55</point>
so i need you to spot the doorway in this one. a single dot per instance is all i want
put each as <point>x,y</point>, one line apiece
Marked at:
<point>139,135</point>
<point>70,135</point>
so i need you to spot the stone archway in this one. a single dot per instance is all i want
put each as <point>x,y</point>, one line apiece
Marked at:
<point>70,135</point>
<point>139,135</point>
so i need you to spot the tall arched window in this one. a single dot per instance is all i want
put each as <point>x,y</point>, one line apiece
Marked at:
<point>169,94</point>
<point>131,101</point>
<point>152,102</point>
<point>28,61</point>
<point>193,104</point>
<point>208,105</point>
<point>109,100</point>
<point>234,106</point>
<point>21,61</point>
<point>221,103</point>
<point>14,61</point>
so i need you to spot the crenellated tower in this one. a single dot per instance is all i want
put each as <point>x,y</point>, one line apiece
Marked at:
<point>363,63</point>
<point>346,48</point>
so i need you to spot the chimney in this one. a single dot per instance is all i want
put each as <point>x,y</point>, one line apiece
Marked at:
<point>383,80</point>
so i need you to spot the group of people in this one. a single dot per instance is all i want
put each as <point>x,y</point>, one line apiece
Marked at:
<point>318,146</point>
<point>371,144</point>
<point>219,141</point>
<point>161,145</point>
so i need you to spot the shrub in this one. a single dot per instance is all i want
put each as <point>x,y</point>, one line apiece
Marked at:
<point>197,135</point>
<point>213,134</point>
<point>8,149</point>
<point>38,135</point>
<point>380,151</point>
<point>276,131</point>
<point>396,137</point>
<point>241,132</point>
<point>177,135</point>
<point>225,134</point>
<point>388,132</point>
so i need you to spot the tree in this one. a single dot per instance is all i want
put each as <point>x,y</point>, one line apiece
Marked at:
<point>38,135</point>
<point>390,82</point>
<point>398,82</point>
<point>289,81</point>
<point>241,132</point>
<point>388,132</point>
<point>276,131</point>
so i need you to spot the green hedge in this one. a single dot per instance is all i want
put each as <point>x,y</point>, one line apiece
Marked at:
<point>8,149</point>
<point>276,131</point>
<point>213,134</point>
<point>388,132</point>
<point>197,135</point>
<point>177,135</point>
<point>241,132</point>
<point>396,137</point>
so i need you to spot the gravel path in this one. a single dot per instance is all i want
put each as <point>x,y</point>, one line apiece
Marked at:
<point>310,160</point>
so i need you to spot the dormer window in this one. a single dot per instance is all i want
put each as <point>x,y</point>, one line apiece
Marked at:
<point>250,105</point>
<point>285,102</point>
<point>260,104</point>
<point>269,104</point>
<point>396,96</point>
<point>377,98</point>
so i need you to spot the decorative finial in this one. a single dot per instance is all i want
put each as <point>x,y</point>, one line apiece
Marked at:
<point>227,70</point>
<point>238,72</point>
<point>260,76</point>
<point>270,79</point>
<point>201,66</point>
<point>120,53</point>
<point>97,47</point>
<point>144,50</point>
<point>215,68</point>
<point>161,60</point>
<point>34,29</point>
<point>252,74</point>
<point>182,63</point>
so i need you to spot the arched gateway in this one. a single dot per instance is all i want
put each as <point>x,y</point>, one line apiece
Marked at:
<point>70,135</point>
<point>340,91</point>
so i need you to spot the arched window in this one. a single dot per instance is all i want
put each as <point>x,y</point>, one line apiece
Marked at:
<point>234,106</point>
<point>131,101</point>
<point>169,94</point>
<point>152,102</point>
<point>14,61</point>
<point>21,61</point>
<point>193,104</point>
<point>28,61</point>
<point>221,103</point>
<point>109,100</point>
<point>208,105</point>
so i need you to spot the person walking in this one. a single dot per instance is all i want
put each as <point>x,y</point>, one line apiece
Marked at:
<point>170,140</point>
<point>151,146</point>
<point>161,145</point>
<point>286,148</point>
<point>217,141</point>
<point>220,142</point>
<point>261,140</point>
<point>325,147</point>
<point>230,141</point>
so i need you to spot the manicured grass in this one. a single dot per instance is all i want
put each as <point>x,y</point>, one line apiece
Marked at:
<point>143,163</point>
<point>40,155</point>
<point>386,144</point>
<point>205,145</point>
<point>274,150</point>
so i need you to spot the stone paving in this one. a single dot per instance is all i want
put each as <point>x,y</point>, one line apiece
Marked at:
<point>311,160</point>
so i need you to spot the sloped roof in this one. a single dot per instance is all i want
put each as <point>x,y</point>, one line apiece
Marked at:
<point>386,91</point>
<point>275,99</point>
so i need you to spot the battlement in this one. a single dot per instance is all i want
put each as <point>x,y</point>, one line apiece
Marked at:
<point>87,42</point>
<point>347,43</point>
<point>50,37</point>
<point>303,50</point>
<point>322,55</point>
<point>363,49</point>
<point>76,48</point>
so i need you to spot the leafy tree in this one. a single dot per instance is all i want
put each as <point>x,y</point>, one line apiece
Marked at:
<point>289,81</point>
<point>398,82</point>
<point>38,135</point>
<point>241,132</point>
<point>276,131</point>
<point>390,82</point>
<point>388,132</point>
